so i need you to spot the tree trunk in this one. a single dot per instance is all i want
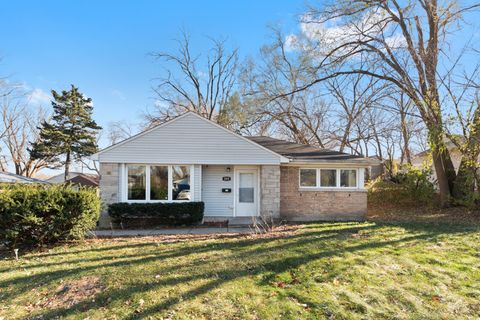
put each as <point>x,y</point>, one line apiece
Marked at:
<point>442,163</point>
<point>67,167</point>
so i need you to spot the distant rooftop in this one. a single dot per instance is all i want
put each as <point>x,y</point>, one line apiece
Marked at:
<point>7,177</point>
<point>303,152</point>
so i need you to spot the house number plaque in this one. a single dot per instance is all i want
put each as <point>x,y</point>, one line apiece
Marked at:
<point>226,178</point>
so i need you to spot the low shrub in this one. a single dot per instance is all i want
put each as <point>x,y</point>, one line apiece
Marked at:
<point>151,214</point>
<point>36,215</point>
<point>409,187</point>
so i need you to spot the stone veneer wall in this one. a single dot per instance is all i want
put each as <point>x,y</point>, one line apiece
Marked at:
<point>109,190</point>
<point>311,205</point>
<point>270,191</point>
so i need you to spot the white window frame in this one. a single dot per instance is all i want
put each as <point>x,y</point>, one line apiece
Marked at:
<point>338,176</point>
<point>319,182</point>
<point>147,182</point>
<point>300,178</point>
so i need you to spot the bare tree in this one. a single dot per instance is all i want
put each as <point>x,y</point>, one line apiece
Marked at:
<point>20,124</point>
<point>401,43</point>
<point>299,116</point>
<point>118,131</point>
<point>194,83</point>
<point>357,96</point>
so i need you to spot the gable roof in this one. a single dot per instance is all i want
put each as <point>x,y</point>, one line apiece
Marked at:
<point>189,139</point>
<point>59,178</point>
<point>84,180</point>
<point>297,152</point>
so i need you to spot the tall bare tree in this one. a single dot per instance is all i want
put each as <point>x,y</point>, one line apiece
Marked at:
<point>402,43</point>
<point>192,82</point>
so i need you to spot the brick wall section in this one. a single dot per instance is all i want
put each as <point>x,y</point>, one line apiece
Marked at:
<point>109,188</point>
<point>270,191</point>
<point>299,205</point>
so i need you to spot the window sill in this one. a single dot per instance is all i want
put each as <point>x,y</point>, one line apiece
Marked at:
<point>316,189</point>
<point>157,201</point>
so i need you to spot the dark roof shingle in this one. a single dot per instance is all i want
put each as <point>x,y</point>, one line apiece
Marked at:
<point>302,152</point>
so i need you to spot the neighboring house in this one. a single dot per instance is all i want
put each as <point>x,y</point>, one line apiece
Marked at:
<point>377,168</point>
<point>84,180</point>
<point>77,178</point>
<point>7,177</point>
<point>193,159</point>
<point>424,157</point>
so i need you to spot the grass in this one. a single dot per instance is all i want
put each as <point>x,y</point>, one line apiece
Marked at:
<point>394,270</point>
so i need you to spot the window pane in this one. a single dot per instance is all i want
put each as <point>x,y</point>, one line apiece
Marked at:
<point>348,178</point>
<point>328,178</point>
<point>158,183</point>
<point>246,188</point>
<point>181,183</point>
<point>136,182</point>
<point>308,177</point>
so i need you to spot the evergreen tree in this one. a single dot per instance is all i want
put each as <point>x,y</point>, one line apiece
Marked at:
<point>71,132</point>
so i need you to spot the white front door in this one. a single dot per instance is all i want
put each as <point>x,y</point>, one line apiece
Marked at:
<point>246,193</point>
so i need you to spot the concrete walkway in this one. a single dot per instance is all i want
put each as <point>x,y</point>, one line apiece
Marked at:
<point>156,232</point>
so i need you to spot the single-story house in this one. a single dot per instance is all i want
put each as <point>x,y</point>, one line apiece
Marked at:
<point>191,158</point>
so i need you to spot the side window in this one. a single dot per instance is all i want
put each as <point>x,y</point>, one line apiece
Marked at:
<point>308,177</point>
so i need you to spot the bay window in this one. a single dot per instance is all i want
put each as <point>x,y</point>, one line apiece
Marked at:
<point>158,183</point>
<point>317,178</point>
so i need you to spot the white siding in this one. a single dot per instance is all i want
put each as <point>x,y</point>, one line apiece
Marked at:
<point>216,202</point>
<point>189,140</point>
<point>197,183</point>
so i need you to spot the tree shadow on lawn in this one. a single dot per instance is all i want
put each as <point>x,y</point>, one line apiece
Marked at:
<point>266,266</point>
<point>296,240</point>
<point>198,247</point>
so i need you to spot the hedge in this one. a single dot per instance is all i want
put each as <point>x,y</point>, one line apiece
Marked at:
<point>151,214</point>
<point>36,215</point>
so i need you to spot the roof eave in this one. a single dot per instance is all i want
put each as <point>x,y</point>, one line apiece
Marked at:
<point>361,161</point>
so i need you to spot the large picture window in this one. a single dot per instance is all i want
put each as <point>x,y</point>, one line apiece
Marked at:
<point>136,182</point>
<point>328,178</point>
<point>158,183</point>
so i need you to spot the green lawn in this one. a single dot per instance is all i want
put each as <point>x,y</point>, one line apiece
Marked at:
<point>333,271</point>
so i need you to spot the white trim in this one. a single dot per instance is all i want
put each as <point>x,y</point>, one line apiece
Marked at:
<point>236,169</point>
<point>148,182</point>
<point>145,172</point>
<point>199,191</point>
<point>329,164</point>
<point>300,179</point>
<point>192,183</point>
<point>170,184</point>
<point>318,187</point>
<point>356,178</point>
<point>138,135</point>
